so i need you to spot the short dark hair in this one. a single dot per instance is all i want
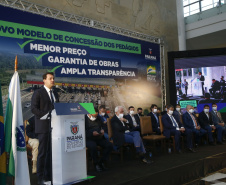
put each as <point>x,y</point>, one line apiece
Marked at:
<point>200,72</point>
<point>130,107</point>
<point>153,105</point>
<point>44,76</point>
<point>177,104</point>
<point>102,107</point>
<point>214,104</point>
<point>139,108</point>
<point>213,79</point>
<point>206,106</point>
<point>169,106</point>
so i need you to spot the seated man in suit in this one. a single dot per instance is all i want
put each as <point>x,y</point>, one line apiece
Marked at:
<point>214,87</point>
<point>173,127</point>
<point>134,123</point>
<point>122,134</point>
<point>94,138</point>
<point>139,113</point>
<point>164,111</point>
<point>154,119</point>
<point>33,142</point>
<point>190,122</point>
<point>104,116</point>
<point>177,113</point>
<point>205,120</point>
<point>217,119</point>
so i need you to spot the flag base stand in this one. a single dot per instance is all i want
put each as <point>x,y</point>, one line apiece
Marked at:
<point>77,181</point>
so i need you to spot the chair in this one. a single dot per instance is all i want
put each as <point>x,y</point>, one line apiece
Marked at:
<point>147,131</point>
<point>110,135</point>
<point>29,148</point>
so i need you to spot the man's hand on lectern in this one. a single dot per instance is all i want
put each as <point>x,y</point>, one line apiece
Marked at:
<point>95,133</point>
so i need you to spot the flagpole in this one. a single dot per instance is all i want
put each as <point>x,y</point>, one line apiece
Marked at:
<point>16,62</point>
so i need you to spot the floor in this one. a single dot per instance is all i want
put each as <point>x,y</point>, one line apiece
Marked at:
<point>218,178</point>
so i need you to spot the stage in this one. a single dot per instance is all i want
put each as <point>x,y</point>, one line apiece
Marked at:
<point>167,169</point>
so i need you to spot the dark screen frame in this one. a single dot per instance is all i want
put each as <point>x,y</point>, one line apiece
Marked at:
<point>186,54</point>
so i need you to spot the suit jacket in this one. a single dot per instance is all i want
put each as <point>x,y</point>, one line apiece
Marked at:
<point>137,118</point>
<point>188,122</point>
<point>202,79</point>
<point>154,122</point>
<point>118,131</point>
<point>130,124</point>
<point>30,128</point>
<point>204,120</point>
<point>91,126</point>
<point>216,119</point>
<point>177,114</point>
<point>104,125</point>
<point>40,106</point>
<point>168,124</point>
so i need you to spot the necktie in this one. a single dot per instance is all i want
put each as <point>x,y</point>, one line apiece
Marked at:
<point>174,122</point>
<point>51,96</point>
<point>194,120</point>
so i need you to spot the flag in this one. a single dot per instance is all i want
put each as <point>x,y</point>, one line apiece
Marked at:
<point>14,134</point>
<point>2,144</point>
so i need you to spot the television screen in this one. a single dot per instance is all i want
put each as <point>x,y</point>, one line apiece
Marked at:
<point>200,80</point>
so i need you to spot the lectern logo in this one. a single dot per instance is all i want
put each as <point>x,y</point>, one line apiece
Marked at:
<point>74,129</point>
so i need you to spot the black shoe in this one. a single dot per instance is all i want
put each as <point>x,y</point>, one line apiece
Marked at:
<point>223,139</point>
<point>196,145</point>
<point>191,150</point>
<point>179,152</point>
<point>147,161</point>
<point>212,144</point>
<point>98,168</point>
<point>41,182</point>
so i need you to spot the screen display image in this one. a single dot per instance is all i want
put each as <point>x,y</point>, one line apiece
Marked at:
<point>201,79</point>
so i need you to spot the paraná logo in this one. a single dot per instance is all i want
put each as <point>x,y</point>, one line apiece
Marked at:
<point>74,129</point>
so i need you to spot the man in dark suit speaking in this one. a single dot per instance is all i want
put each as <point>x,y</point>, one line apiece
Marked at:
<point>42,103</point>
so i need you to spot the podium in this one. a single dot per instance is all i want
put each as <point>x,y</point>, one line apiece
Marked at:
<point>69,142</point>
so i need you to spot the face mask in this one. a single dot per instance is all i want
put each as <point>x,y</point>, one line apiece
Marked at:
<point>155,110</point>
<point>214,108</point>
<point>131,112</point>
<point>191,110</point>
<point>92,118</point>
<point>178,109</point>
<point>206,110</point>
<point>102,114</point>
<point>170,112</point>
<point>120,115</point>
<point>165,109</point>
